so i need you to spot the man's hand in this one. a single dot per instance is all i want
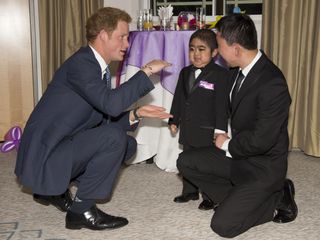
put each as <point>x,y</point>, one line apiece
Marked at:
<point>155,66</point>
<point>150,111</point>
<point>220,139</point>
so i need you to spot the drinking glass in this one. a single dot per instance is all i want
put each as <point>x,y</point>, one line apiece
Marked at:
<point>147,20</point>
<point>140,14</point>
<point>200,17</point>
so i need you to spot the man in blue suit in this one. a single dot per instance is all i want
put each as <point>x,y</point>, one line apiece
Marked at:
<point>77,131</point>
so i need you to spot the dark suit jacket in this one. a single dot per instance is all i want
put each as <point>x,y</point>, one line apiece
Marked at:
<point>259,118</point>
<point>75,100</point>
<point>199,111</point>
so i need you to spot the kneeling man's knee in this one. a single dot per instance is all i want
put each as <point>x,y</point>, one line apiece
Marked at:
<point>223,228</point>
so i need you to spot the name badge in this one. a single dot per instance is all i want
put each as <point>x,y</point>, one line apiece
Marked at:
<point>206,85</point>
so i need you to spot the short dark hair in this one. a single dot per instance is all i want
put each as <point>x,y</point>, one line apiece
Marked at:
<point>238,28</point>
<point>106,18</point>
<point>207,36</point>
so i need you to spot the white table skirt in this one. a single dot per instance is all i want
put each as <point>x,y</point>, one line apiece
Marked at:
<point>153,135</point>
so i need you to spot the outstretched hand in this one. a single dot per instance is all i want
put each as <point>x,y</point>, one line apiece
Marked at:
<point>155,66</point>
<point>152,111</point>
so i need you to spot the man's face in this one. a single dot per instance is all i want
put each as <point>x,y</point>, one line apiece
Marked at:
<point>117,44</point>
<point>199,53</point>
<point>228,52</point>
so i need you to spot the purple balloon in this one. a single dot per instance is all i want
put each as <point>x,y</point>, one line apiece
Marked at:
<point>11,139</point>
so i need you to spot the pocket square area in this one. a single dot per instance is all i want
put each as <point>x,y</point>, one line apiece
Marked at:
<point>206,85</point>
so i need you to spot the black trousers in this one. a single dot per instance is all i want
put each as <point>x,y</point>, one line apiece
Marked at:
<point>97,154</point>
<point>242,205</point>
<point>187,186</point>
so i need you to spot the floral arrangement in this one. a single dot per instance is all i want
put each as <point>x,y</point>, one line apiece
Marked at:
<point>186,20</point>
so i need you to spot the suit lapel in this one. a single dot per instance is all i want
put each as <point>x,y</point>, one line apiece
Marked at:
<point>186,80</point>
<point>253,76</point>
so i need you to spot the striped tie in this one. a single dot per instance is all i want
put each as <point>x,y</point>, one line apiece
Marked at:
<point>107,78</point>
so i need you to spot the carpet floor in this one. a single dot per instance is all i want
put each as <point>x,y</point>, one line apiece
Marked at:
<point>144,194</point>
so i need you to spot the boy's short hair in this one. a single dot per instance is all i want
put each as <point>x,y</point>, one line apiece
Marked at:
<point>106,18</point>
<point>207,36</point>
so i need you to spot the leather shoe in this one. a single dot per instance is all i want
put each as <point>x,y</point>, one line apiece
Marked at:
<point>62,202</point>
<point>186,197</point>
<point>93,219</point>
<point>287,210</point>
<point>206,204</point>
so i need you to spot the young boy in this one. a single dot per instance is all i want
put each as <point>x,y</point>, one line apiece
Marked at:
<point>199,106</point>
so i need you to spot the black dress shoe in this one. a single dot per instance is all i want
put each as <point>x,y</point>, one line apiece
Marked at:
<point>206,204</point>
<point>186,197</point>
<point>62,202</point>
<point>287,210</point>
<point>94,219</point>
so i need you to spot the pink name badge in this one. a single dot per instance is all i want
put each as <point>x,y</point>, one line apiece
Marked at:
<point>206,85</point>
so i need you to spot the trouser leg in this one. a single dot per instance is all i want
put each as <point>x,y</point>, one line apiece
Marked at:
<point>247,205</point>
<point>208,169</point>
<point>97,157</point>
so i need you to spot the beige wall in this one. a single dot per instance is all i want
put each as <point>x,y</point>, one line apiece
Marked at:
<point>16,84</point>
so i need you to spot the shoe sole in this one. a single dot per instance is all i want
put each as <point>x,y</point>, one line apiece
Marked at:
<point>77,227</point>
<point>191,199</point>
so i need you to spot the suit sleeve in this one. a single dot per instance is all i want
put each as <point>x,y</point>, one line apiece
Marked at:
<point>176,102</point>
<point>84,77</point>
<point>272,109</point>
<point>222,101</point>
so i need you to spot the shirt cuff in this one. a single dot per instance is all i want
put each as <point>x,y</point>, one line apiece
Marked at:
<point>218,131</point>
<point>225,147</point>
<point>133,122</point>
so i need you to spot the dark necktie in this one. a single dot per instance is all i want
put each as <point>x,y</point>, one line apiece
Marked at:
<point>236,87</point>
<point>107,78</point>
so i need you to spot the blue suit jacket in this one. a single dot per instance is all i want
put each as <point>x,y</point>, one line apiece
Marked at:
<point>75,100</point>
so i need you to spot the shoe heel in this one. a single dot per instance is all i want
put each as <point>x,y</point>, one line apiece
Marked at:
<point>72,226</point>
<point>41,200</point>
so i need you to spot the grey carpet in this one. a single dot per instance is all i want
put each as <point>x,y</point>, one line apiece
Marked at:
<point>144,195</point>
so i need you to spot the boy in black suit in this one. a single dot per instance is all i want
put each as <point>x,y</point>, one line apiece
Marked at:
<point>199,104</point>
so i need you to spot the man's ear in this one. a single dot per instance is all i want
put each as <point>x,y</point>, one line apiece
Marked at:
<point>237,49</point>
<point>103,35</point>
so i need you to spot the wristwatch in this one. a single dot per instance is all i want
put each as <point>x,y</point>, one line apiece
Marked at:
<point>136,117</point>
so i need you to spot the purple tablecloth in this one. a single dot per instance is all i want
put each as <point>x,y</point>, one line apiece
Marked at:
<point>171,46</point>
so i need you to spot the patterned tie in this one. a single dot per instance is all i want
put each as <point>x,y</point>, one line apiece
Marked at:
<point>236,88</point>
<point>107,78</point>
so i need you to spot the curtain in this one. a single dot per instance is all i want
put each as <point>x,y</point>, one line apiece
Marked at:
<point>291,38</point>
<point>16,90</point>
<point>62,31</point>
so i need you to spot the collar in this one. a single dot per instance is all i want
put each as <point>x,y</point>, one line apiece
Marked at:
<point>247,69</point>
<point>100,60</point>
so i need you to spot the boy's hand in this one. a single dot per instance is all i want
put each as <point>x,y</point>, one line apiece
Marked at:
<point>173,129</point>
